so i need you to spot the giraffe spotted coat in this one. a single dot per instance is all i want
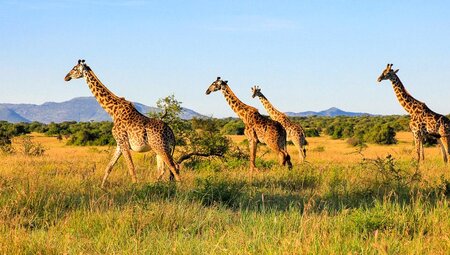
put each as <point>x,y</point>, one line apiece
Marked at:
<point>294,131</point>
<point>423,120</point>
<point>131,129</point>
<point>257,127</point>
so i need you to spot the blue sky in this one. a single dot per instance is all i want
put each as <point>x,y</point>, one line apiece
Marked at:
<point>305,55</point>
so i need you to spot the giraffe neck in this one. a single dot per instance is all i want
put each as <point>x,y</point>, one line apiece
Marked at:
<point>406,100</point>
<point>271,110</point>
<point>104,96</point>
<point>237,105</point>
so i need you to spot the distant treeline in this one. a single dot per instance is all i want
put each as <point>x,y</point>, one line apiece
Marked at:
<point>76,133</point>
<point>370,129</point>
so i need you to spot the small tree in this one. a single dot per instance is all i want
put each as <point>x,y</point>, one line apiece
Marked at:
<point>205,140</point>
<point>7,132</point>
<point>170,111</point>
<point>199,137</point>
<point>383,134</point>
<point>30,148</point>
<point>233,127</point>
<point>5,143</point>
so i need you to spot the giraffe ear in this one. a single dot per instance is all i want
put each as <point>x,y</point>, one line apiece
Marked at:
<point>226,82</point>
<point>396,71</point>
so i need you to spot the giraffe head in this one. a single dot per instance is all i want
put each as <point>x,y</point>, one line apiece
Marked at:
<point>216,85</point>
<point>388,73</point>
<point>77,71</point>
<point>256,91</point>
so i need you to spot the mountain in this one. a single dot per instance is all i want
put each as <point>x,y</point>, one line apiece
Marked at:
<point>87,109</point>
<point>10,115</point>
<point>76,109</point>
<point>332,112</point>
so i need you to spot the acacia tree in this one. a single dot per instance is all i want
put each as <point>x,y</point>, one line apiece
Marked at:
<point>198,137</point>
<point>170,112</point>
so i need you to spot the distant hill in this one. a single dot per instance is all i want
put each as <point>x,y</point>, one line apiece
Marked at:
<point>87,109</point>
<point>332,112</point>
<point>10,115</point>
<point>76,109</point>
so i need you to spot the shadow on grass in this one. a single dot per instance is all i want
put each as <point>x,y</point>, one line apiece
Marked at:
<point>300,195</point>
<point>144,193</point>
<point>289,183</point>
<point>334,202</point>
<point>44,207</point>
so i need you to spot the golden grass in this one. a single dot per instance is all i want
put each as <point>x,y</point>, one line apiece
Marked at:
<point>330,205</point>
<point>94,159</point>
<point>326,150</point>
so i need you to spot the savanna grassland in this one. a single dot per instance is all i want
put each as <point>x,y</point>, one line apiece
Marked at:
<point>343,200</point>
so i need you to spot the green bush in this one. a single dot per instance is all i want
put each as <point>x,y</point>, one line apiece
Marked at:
<point>312,132</point>
<point>30,148</point>
<point>7,132</point>
<point>233,127</point>
<point>354,141</point>
<point>89,133</point>
<point>384,134</point>
<point>373,129</point>
<point>200,137</point>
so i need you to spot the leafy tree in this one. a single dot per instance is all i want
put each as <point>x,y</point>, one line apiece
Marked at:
<point>170,111</point>
<point>90,133</point>
<point>233,127</point>
<point>10,130</point>
<point>199,137</point>
<point>312,132</point>
<point>384,134</point>
<point>37,127</point>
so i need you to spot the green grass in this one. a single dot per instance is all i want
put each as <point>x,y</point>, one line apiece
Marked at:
<point>51,205</point>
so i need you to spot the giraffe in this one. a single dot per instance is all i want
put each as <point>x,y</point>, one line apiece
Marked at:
<point>257,127</point>
<point>294,131</point>
<point>131,129</point>
<point>423,120</point>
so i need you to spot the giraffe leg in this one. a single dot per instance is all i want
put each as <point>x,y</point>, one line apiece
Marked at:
<point>112,162</point>
<point>422,151</point>
<point>301,151</point>
<point>287,159</point>
<point>303,144</point>
<point>445,144</point>
<point>284,158</point>
<point>418,145</point>
<point>280,148</point>
<point>127,156</point>
<point>160,166</point>
<point>173,167</point>
<point>253,146</point>
<point>281,158</point>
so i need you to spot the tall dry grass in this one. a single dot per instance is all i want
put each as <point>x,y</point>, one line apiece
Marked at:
<point>338,202</point>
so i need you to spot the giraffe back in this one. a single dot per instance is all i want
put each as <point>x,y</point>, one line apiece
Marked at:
<point>268,130</point>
